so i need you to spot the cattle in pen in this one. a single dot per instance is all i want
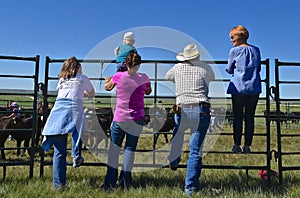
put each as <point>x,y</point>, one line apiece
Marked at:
<point>97,127</point>
<point>15,122</point>
<point>160,120</point>
<point>282,116</point>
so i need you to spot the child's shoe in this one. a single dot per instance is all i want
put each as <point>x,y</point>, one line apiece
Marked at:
<point>77,162</point>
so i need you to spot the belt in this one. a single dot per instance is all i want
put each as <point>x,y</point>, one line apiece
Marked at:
<point>201,104</point>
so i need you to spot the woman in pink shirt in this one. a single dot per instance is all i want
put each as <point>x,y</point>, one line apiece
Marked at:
<point>128,119</point>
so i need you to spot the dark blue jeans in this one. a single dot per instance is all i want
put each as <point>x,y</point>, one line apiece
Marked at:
<point>243,107</point>
<point>121,67</point>
<point>119,130</point>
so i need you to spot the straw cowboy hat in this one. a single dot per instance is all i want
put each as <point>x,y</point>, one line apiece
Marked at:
<point>189,52</point>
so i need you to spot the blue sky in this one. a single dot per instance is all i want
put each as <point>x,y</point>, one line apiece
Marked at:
<point>61,29</point>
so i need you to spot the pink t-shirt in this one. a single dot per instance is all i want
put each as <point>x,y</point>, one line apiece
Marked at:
<point>130,96</point>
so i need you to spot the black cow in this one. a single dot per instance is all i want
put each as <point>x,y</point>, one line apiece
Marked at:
<point>273,116</point>
<point>160,120</point>
<point>40,122</point>
<point>15,122</point>
<point>295,117</point>
<point>98,123</point>
<point>229,117</point>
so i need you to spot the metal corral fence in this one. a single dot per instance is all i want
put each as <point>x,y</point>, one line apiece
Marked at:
<point>156,99</point>
<point>291,115</point>
<point>18,62</point>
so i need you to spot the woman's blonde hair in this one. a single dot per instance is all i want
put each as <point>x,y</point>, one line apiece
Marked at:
<point>69,68</point>
<point>240,31</point>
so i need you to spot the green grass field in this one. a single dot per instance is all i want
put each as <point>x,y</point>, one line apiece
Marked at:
<point>86,181</point>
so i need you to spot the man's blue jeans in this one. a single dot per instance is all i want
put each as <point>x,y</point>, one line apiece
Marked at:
<point>196,119</point>
<point>132,131</point>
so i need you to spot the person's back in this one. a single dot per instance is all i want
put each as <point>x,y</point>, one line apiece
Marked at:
<point>191,82</point>
<point>192,79</point>
<point>124,50</point>
<point>245,65</point>
<point>128,119</point>
<point>130,87</point>
<point>74,87</point>
<point>67,116</point>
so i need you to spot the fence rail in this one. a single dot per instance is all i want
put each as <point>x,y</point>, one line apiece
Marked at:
<point>280,134</point>
<point>34,93</point>
<point>155,80</point>
<point>270,91</point>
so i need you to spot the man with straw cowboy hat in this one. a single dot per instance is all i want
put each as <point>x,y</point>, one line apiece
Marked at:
<point>191,78</point>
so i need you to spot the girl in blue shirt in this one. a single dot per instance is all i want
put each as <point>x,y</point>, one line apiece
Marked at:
<point>244,63</point>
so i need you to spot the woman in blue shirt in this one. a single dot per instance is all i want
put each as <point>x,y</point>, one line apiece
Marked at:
<point>244,63</point>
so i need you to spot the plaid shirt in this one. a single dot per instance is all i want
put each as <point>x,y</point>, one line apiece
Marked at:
<point>191,81</point>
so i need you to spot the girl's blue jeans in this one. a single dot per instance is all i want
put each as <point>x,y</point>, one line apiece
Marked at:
<point>60,153</point>
<point>76,145</point>
<point>59,159</point>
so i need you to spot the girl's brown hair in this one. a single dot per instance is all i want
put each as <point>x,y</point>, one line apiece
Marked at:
<point>133,59</point>
<point>69,68</point>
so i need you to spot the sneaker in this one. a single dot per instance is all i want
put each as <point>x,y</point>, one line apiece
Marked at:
<point>236,149</point>
<point>107,189</point>
<point>188,193</point>
<point>173,167</point>
<point>246,150</point>
<point>11,138</point>
<point>77,162</point>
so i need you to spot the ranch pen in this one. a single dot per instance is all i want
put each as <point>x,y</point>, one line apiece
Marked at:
<point>41,92</point>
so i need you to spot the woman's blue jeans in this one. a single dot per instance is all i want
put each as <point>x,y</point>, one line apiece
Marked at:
<point>196,119</point>
<point>119,130</point>
<point>59,159</point>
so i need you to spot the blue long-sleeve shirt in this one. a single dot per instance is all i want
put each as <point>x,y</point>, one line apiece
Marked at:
<point>244,63</point>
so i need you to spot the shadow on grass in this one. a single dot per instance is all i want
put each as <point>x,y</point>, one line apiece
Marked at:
<point>210,184</point>
<point>157,180</point>
<point>241,185</point>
